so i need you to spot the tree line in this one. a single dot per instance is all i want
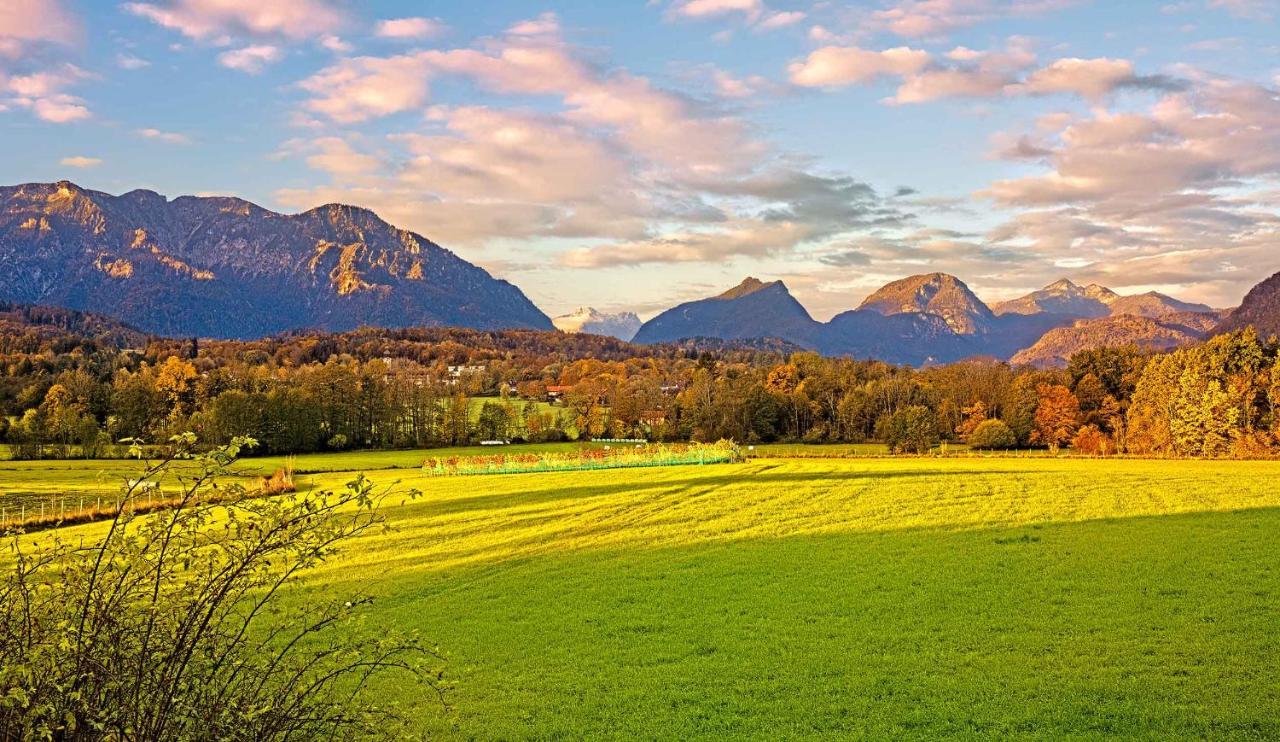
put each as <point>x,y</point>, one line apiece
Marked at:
<point>64,393</point>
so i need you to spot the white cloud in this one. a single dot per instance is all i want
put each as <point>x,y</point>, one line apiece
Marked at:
<point>250,59</point>
<point>411,28</point>
<point>126,61</point>
<point>1250,9</point>
<point>81,162</point>
<point>168,137</point>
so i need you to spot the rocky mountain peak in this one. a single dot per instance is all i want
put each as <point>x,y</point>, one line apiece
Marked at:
<point>622,325</point>
<point>750,285</point>
<point>933,293</point>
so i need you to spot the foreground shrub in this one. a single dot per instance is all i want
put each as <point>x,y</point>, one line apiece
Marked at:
<point>911,430</point>
<point>992,435</point>
<point>170,627</point>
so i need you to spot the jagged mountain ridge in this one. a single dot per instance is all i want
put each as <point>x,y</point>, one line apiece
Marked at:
<point>932,318</point>
<point>622,325</point>
<point>1062,297</point>
<point>224,267</point>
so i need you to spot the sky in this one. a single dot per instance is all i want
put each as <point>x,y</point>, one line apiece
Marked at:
<point>634,155</point>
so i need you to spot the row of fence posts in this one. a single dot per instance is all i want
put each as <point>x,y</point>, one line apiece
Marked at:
<point>62,511</point>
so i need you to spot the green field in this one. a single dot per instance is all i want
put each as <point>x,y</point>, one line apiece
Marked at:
<point>881,598</point>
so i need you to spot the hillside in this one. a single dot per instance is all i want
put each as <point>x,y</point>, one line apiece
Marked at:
<point>1154,304</point>
<point>54,323</point>
<point>223,267</point>
<point>1057,346</point>
<point>1260,309</point>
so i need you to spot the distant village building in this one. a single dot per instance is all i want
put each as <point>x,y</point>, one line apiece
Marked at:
<point>458,372</point>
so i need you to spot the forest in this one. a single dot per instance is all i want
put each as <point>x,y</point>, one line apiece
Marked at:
<point>67,392</point>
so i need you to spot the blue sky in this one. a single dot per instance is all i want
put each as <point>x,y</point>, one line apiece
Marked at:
<point>634,155</point>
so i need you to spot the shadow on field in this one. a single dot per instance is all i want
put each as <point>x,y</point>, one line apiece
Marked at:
<point>541,493</point>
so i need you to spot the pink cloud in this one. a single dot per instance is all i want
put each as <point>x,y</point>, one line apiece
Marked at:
<point>44,94</point>
<point>752,10</point>
<point>832,66</point>
<point>25,23</point>
<point>209,20</point>
<point>411,28</point>
<point>364,88</point>
<point>1089,78</point>
<point>651,168</point>
<point>250,59</point>
<point>935,18</point>
<point>1171,193</point>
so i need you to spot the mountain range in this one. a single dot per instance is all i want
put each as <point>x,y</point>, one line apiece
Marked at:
<point>622,325</point>
<point>224,267</point>
<point>936,318</point>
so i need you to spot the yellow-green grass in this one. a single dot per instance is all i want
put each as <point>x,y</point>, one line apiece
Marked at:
<point>67,484</point>
<point>880,598</point>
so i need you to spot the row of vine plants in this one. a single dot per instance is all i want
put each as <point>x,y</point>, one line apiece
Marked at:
<point>611,457</point>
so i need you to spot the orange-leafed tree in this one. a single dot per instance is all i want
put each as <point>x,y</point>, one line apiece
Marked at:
<point>1057,416</point>
<point>974,415</point>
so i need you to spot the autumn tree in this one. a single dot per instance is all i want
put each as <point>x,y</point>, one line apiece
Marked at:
<point>1057,416</point>
<point>974,415</point>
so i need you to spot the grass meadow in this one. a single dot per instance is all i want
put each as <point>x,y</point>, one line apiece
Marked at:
<point>873,597</point>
